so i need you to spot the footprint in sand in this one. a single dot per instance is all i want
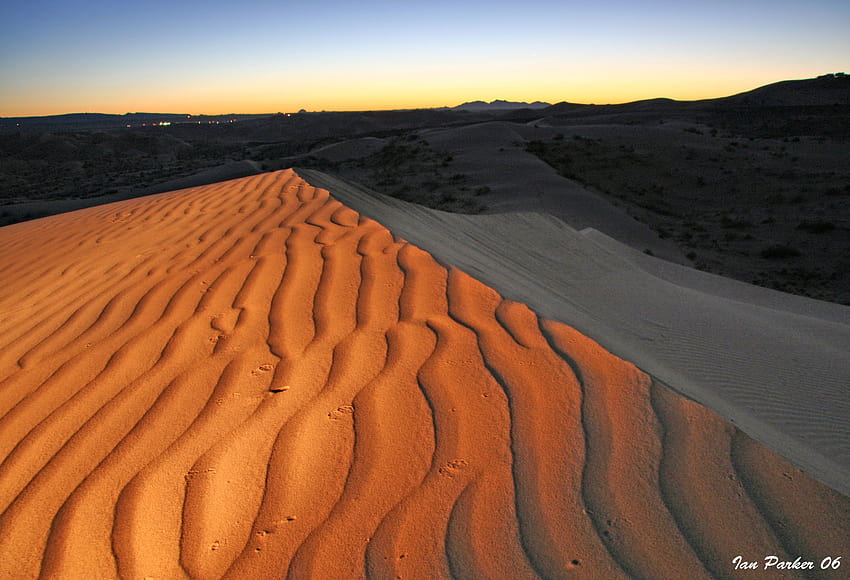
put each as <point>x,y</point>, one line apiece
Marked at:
<point>453,466</point>
<point>120,217</point>
<point>193,473</point>
<point>340,412</point>
<point>262,369</point>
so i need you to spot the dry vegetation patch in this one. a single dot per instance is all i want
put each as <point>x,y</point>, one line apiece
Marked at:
<point>773,212</point>
<point>408,168</point>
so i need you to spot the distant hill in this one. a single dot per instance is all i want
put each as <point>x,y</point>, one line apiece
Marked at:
<point>825,90</point>
<point>499,105</point>
<point>829,89</point>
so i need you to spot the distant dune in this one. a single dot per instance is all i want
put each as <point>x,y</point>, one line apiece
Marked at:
<point>251,380</point>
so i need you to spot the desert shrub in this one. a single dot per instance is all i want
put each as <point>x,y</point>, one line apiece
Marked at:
<point>657,208</point>
<point>817,226</point>
<point>779,252</point>
<point>839,190</point>
<point>735,222</point>
<point>394,154</point>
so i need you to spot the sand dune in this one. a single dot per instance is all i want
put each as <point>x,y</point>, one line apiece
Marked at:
<point>775,364</point>
<point>251,380</point>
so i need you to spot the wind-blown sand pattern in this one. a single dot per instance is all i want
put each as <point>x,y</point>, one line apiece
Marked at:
<point>250,380</point>
<point>774,364</point>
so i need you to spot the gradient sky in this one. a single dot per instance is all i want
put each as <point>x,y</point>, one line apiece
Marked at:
<point>265,56</point>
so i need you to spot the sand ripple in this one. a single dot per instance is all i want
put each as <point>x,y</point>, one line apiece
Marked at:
<point>250,380</point>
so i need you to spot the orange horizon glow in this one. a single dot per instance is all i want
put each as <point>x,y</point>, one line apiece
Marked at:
<point>257,58</point>
<point>359,100</point>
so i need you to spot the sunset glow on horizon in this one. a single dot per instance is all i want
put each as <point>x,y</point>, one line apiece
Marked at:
<point>263,56</point>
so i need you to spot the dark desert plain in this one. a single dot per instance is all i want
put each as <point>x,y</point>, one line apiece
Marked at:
<point>498,340</point>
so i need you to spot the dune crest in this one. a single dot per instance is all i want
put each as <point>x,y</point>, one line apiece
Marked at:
<point>251,380</point>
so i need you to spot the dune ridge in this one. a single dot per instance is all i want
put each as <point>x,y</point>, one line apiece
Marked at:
<point>774,364</point>
<point>251,380</point>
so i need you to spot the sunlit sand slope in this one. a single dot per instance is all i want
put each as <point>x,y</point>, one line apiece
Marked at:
<point>776,365</point>
<point>250,380</point>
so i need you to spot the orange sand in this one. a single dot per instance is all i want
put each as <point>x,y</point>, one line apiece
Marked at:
<point>250,380</point>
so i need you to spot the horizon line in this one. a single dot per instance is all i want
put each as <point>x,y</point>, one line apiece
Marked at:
<point>419,108</point>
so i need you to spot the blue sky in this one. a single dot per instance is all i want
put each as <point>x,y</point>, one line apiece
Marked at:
<point>262,56</point>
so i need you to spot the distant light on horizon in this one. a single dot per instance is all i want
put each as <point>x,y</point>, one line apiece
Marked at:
<point>261,58</point>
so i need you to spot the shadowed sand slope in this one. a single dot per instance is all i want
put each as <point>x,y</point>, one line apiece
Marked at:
<point>774,364</point>
<point>250,380</point>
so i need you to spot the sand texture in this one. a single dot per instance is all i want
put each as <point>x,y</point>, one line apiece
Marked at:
<point>776,365</point>
<point>251,380</point>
